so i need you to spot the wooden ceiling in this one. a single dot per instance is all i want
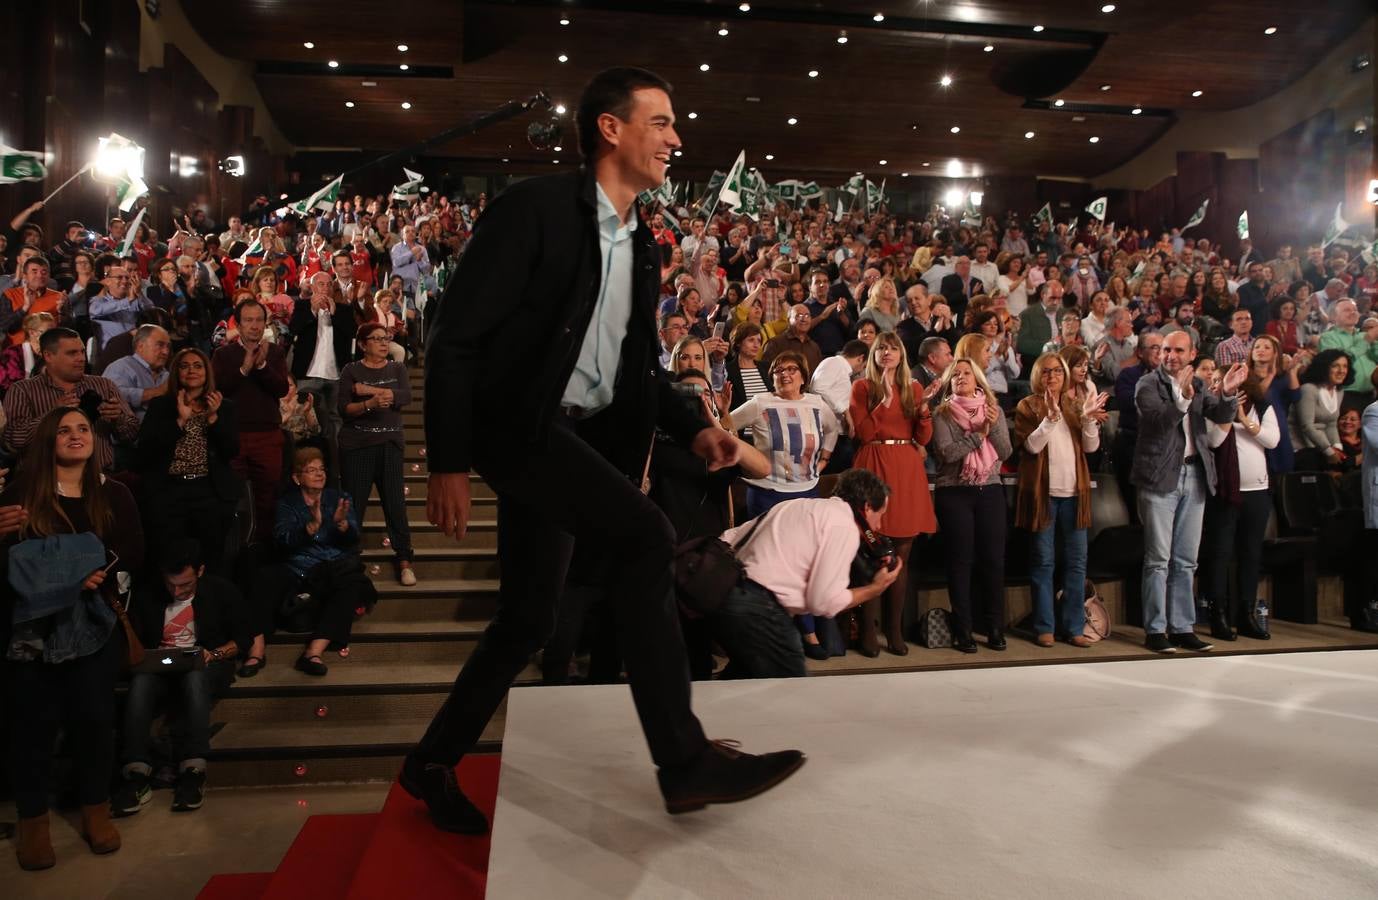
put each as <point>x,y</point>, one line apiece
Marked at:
<point>876,97</point>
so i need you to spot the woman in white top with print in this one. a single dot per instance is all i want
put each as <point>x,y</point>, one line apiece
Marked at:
<point>1237,514</point>
<point>796,431</point>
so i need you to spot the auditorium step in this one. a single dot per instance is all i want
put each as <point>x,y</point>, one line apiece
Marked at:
<point>437,562</point>
<point>414,484</point>
<point>439,599</point>
<point>481,532</point>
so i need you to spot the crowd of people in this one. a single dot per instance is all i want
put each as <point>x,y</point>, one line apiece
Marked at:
<point>219,409</point>
<point>940,355</point>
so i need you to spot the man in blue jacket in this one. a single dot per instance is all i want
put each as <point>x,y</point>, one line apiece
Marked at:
<point>542,376</point>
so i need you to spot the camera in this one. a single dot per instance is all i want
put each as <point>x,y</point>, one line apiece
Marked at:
<point>90,404</point>
<point>875,553</point>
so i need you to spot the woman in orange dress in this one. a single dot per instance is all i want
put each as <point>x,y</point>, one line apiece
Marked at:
<point>892,422</point>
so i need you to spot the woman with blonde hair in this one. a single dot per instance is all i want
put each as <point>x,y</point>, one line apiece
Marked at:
<point>883,305</point>
<point>1056,430</point>
<point>267,290</point>
<point>970,439</point>
<point>891,424</point>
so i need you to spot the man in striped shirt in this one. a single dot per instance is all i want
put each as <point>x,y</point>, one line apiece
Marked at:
<point>64,382</point>
<point>1235,349</point>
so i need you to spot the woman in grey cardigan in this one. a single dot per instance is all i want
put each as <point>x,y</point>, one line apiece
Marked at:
<point>1316,413</point>
<point>970,439</point>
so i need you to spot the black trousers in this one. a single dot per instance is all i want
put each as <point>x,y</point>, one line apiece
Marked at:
<point>1235,531</point>
<point>972,520</point>
<point>189,508</point>
<point>563,494</point>
<point>379,465</point>
<point>1122,456</point>
<point>78,697</point>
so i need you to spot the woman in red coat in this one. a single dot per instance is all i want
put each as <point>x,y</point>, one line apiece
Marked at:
<point>891,422</point>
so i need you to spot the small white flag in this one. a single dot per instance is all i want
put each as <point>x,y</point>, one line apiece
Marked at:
<point>1337,227</point>
<point>128,243</point>
<point>733,185</point>
<point>1197,217</point>
<point>1243,225</point>
<point>1097,208</point>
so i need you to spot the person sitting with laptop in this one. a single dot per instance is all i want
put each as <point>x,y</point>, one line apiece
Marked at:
<point>192,625</point>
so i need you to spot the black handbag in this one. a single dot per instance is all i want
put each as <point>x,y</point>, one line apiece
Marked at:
<point>707,568</point>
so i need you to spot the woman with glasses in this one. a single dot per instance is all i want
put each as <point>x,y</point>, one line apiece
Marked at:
<point>372,393</point>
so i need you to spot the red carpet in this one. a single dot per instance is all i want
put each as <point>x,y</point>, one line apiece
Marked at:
<point>410,858</point>
<point>394,853</point>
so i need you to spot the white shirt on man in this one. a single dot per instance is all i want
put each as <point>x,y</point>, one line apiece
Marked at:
<point>323,363</point>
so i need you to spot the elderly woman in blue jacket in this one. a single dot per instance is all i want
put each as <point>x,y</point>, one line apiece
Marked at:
<point>318,530</point>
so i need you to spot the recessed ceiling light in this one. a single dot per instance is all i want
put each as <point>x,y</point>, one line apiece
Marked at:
<point>1271,29</point>
<point>504,159</point>
<point>703,67</point>
<point>1196,93</point>
<point>883,162</point>
<point>1093,139</point>
<point>1078,118</point>
<point>791,121</point>
<point>1105,87</point>
<point>679,153</point>
<point>878,17</point>
<point>406,105</point>
<point>402,48</point>
<point>556,161</point>
<point>904,174</point>
<point>1059,102</point>
<point>1108,8</point>
<point>693,115</point>
<point>769,157</point>
<point>722,32</point>
<point>404,67</point>
<point>1037,29</point>
<point>925,165</point>
<point>954,168</point>
<point>842,38</point>
<point>1028,135</point>
<point>564,20</point>
<point>745,7</point>
<point>945,81</point>
<point>309,46</point>
<point>989,48</point>
<point>562,58</point>
<point>368,84</point>
<point>349,104</point>
<point>333,64</point>
<point>955,128</point>
<point>1136,111</point>
<point>557,149</point>
<point>813,73</point>
<point>560,110</point>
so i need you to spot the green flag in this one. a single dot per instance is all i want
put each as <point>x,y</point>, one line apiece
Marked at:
<point>734,184</point>
<point>1370,253</point>
<point>788,190</point>
<point>1243,226</point>
<point>1337,227</point>
<point>1044,215</point>
<point>1097,208</point>
<point>714,185</point>
<point>324,199</point>
<point>809,190</point>
<point>254,249</point>
<point>409,189</point>
<point>751,194</point>
<point>128,243</point>
<point>21,165</point>
<point>1199,216</point>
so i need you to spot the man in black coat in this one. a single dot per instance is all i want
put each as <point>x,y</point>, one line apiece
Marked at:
<point>542,376</point>
<point>960,287</point>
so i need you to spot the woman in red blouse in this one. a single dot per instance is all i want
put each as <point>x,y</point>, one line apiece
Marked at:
<point>1283,325</point>
<point>891,422</point>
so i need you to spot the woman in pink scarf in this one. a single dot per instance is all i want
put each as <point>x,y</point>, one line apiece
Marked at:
<point>970,439</point>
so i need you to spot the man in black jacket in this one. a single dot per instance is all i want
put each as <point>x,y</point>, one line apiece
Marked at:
<point>322,330</point>
<point>542,376</point>
<point>189,613</point>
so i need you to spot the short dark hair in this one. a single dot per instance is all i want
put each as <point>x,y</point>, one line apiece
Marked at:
<point>103,264</point>
<point>853,349</point>
<point>684,374</point>
<point>54,336</point>
<point>861,487</point>
<point>35,261</point>
<point>339,253</point>
<point>179,555</point>
<point>672,314</point>
<point>610,91</point>
<point>250,302</point>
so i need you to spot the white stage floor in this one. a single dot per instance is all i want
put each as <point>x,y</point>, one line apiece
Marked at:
<point>1229,777</point>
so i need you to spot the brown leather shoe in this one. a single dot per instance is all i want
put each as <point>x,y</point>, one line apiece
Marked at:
<point>1079,640</point>
<point>724,774</point>
<point>97,828</point>
<point>1045,640</point>
<point>34,845</point>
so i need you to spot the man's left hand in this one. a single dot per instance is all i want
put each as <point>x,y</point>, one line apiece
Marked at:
<point>716,447</point>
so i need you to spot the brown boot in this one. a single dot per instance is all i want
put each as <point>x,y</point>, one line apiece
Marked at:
<point>97,828</point>
<point>33,845</point>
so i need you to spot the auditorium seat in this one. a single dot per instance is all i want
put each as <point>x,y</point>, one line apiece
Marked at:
<point>1290,561</point>
<point>1115,550</point>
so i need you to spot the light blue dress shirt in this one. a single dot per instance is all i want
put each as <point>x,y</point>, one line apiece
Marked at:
<point>591,383</point>
<point>132,375</point>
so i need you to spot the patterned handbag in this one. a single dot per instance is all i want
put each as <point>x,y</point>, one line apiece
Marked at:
<point>1098,624</point>
<point>935,629</point>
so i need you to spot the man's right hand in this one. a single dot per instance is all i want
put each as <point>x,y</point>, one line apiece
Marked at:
<point>447,502</point>
<point>887,575</point>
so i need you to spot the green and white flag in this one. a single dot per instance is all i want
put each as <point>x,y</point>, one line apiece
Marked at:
<point>809,190</point>
<point>409,189</point>
<point>324,199</point>
<point>121,162</point>
<point>837,216</point>
<point>128,243</point>
<point>970,216</point>
<point>1337,227</point>
<point>1199,216</point>
<point>751,194</point>
<point>1072,225</point>
<point>1044,215</point>
<point>1097,208</point>
<point>875,196</point>
<point>254,249</point>
<point>21,165</point>
<point>1370,254</point>
<point>855,185</point>
<point>714,184</point>
<point>788,190</point>
<point>1242,227</point>
<point>734,184</point>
